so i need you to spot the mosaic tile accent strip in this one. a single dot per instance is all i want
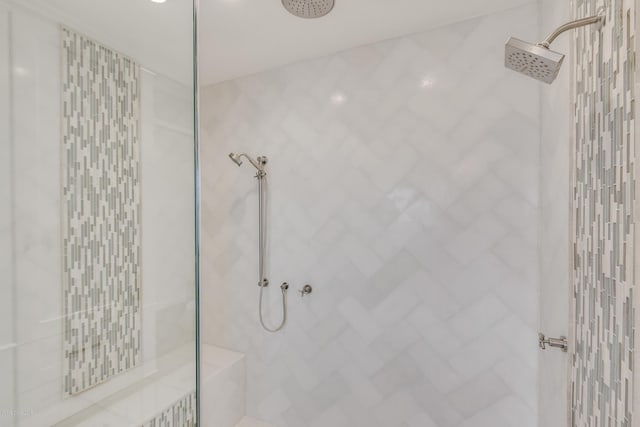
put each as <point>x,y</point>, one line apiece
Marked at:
<point>604,220</point>
<point>100,213</point>
<point>181,414</point>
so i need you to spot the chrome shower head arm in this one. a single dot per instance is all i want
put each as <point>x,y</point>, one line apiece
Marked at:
<point>578,23</point>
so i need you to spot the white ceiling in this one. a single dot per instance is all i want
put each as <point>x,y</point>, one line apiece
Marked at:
<point>158,36</point>
<point>241,37</point>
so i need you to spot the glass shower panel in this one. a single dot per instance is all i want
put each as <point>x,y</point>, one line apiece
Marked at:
<point>97,224</point>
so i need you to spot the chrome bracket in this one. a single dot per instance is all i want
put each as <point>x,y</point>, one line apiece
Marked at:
<point>260,164</point>
<point>264,283</point>
<point>560,343</point>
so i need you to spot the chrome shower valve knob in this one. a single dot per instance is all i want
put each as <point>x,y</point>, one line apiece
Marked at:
<point>306,290</point>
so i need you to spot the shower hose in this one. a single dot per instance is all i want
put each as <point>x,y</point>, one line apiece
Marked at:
<point>262,243</point>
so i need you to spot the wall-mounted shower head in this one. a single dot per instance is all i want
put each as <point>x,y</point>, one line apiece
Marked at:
<point>309,8</point>
<point>236,159</point>
<point>537,60</point>
<point>532,60</point>
<point>258,163</point>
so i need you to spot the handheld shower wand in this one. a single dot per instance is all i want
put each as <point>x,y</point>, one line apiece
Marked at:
<point>263,282</point>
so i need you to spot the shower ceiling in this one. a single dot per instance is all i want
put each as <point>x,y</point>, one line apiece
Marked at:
<point>158,35</point>
<point>241,37</point>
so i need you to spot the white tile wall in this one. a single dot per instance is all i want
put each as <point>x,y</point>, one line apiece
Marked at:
<point>404,187</point>
<point>222,387</point>
<point>252,422</point>
<point>167,215</point>
<point>555,171</point>
<point>6,268</point>
<point>36,161</point>
<point>6,237</point>
<point>167,191</point>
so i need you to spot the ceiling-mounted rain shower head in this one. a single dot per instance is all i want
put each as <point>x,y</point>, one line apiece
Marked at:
<point>309,8</point>
<point>532,60</point>
<point>537,60</point>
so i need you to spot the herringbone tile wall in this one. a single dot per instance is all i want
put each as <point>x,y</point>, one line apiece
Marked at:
<point>555,283</point>
<point>404,187</point>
